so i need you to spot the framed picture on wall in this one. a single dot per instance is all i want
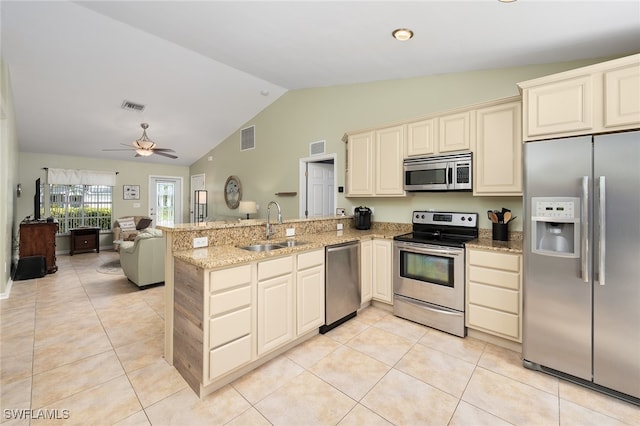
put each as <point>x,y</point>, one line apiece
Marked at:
<point>131,192</point>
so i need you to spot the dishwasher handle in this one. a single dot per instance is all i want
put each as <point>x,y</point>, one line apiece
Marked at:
<point>343,246</point>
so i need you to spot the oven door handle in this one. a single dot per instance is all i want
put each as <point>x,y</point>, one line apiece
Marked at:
<point>420,248</point>
<point>428,306</point>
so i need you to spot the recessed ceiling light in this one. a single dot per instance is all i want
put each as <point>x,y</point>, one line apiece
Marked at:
<point>506,1</point>
<point>402,34</point>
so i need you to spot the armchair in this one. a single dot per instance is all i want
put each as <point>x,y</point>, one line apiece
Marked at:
<point>142,260</point>
<point>128,231</point>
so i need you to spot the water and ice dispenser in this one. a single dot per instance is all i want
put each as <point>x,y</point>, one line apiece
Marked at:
<point>555,226</point>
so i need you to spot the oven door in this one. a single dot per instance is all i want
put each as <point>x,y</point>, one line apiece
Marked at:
<point>427,175</point>
<point>429,273</point>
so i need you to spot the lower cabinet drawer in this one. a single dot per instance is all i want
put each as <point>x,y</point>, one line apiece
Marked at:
<point>498,322</point>
<point>227,357</point>
<point>494,297</point>
<point>231,326</point>
<point>84,241</point>
<point>229,300</point>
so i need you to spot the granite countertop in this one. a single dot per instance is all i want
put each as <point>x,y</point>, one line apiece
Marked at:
<point>512,246</point>
<point>213,257</point>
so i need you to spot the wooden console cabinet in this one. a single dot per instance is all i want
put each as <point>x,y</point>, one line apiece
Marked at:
<point>83,239</point>
<point>39,239</point>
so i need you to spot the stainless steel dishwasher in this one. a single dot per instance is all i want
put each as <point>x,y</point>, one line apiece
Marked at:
<point>342,284</point>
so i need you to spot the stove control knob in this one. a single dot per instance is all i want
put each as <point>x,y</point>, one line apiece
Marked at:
<point>464,218</point>
<point>423,216</point>
<point>470,219</point>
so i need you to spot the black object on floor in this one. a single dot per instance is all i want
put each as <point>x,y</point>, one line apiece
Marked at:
<point>31,267</point>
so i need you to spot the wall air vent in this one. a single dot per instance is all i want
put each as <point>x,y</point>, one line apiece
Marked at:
<point>316,148</point>
<point>248,138</point>
<point>132,106</point>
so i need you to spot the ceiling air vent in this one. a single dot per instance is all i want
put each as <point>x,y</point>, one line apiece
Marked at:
<point>132,106</point>
<point>248,138</point>
<point>316,148</point>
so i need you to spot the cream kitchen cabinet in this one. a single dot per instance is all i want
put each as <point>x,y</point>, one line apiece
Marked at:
<point>375,162</point>
<point>310,291</point>
<point>376,270</point>
<point>230,328</point>
<point>454,132</point>
<point>497,149</point>
<point>381,270</point>
<point>595,99</point>
<point>366,271</point>
<point>275,305</point>
<point>494,293</point>
<point>422,137</point>
<point>440,134</point>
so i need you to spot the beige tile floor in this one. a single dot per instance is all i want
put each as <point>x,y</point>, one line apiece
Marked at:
<point>87,347</point>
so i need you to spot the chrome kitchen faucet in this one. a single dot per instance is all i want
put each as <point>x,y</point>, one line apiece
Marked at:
<point>269,230</point>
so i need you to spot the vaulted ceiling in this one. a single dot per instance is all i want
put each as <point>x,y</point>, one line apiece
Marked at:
<point>203,68</point>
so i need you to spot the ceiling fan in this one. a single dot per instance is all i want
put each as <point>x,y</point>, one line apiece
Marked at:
<point>144,146</point>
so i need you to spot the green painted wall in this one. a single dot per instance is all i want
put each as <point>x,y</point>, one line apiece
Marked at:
<point>129,173</point>
<point>8,176</point>
<point>284,130</point>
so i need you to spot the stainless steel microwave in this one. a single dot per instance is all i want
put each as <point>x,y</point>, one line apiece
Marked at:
<point>450,172</point>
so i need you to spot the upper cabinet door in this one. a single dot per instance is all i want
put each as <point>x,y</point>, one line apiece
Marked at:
<point>388,160</point>
<point>454,132</point>
<point>497,154</point>
<point>360,164</point>
<point>563,106</point>
<point>622,96</point>
<point>421,137</point>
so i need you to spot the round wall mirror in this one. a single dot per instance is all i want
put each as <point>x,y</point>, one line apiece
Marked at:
<point>232,192</point>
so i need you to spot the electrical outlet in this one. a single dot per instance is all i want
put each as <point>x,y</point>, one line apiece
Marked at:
<point>200,242</point>
<point>291,232</point>
<point>339,227</point>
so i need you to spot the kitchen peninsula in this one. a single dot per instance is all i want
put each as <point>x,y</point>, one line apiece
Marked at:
<point>228,310</point>
<point>217,297</point>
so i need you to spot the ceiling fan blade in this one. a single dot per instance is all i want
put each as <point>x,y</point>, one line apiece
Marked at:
<point>164,154</point>
<point>119,149</point>
<point>164,149</point>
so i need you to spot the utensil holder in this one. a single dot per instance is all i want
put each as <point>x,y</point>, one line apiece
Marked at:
<point>500,231</point>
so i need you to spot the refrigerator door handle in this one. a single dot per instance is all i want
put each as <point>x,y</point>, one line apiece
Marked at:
<point>584,252</point>
<point>602,241</point>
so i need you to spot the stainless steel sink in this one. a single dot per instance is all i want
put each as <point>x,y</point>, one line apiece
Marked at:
<point>273,246</point>
<point>292,243</point>
<point>262,247</point>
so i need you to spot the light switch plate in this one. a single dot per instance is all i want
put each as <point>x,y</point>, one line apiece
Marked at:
<point>339,227</point>
<point>291,232</point>
<point>200,242</point>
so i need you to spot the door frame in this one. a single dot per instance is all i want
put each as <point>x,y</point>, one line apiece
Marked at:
<point>193,179</point>
<point>179,208</point>
<point>303,179</point>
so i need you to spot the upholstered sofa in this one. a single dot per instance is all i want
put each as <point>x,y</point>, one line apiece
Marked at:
<point>142,259</point>
<point>128,230</point>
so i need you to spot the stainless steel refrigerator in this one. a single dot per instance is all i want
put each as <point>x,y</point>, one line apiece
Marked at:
<point>582,261</point>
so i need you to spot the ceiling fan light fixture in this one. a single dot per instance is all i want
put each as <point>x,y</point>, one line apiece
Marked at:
<point>402,34</point>
<point>144,142</point>
<point>144,152</point>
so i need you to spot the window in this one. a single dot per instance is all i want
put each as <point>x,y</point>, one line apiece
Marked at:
<point>81,205</point>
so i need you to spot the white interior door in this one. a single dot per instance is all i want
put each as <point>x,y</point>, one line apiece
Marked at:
<point>320,188</point>
<point>197,183</point>
<point>165,200</point>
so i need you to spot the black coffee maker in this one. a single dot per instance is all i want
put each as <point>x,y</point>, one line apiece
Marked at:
<point>362,217</point>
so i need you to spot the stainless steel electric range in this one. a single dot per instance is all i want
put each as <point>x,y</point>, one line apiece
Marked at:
<point>429,269</point>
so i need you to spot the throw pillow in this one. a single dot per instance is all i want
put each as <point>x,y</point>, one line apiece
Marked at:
<point>143,223</point>
<point>127,224</point>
